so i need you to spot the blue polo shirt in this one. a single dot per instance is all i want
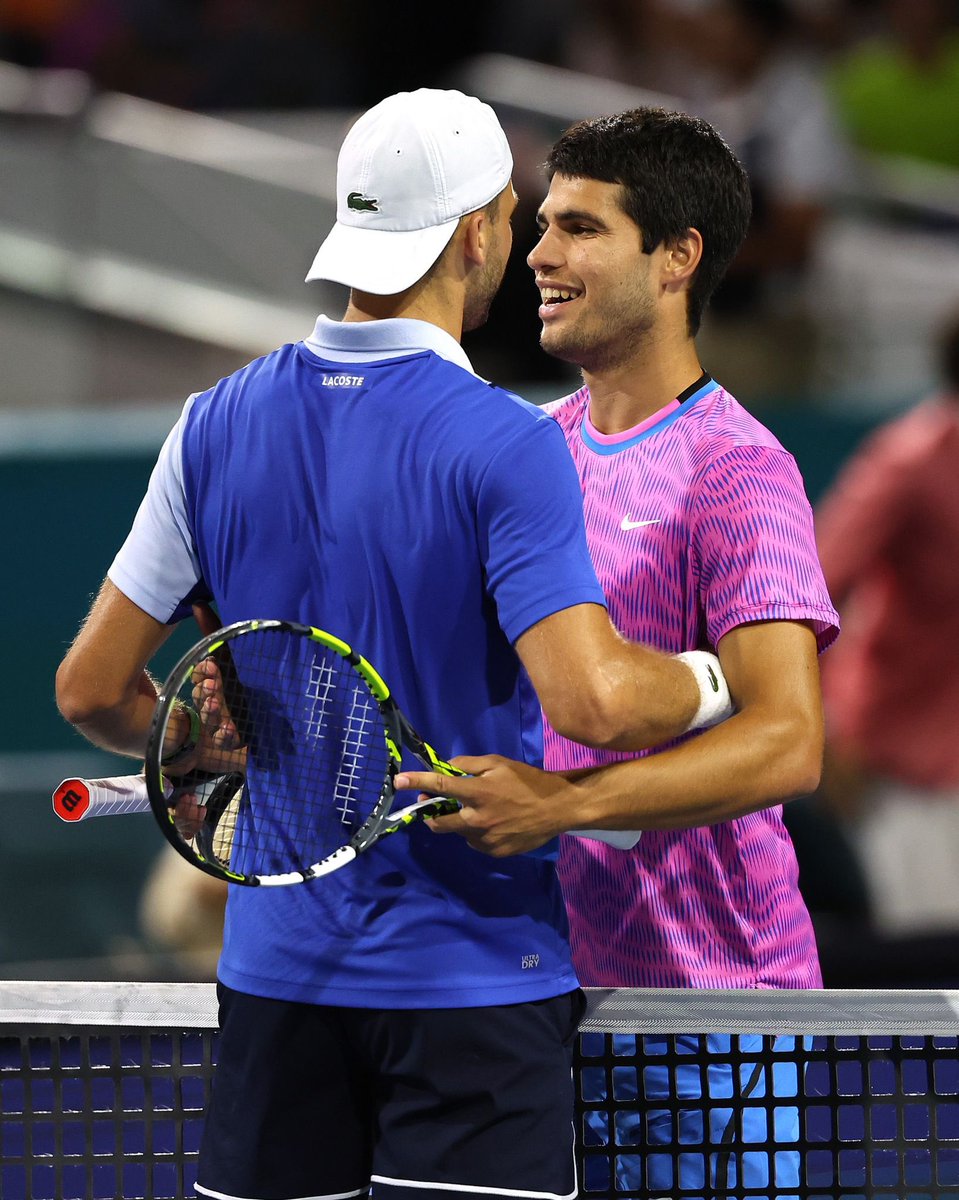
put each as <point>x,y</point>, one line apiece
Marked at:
<point>365,480</point>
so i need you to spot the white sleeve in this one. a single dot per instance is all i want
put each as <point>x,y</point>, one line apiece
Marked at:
<point>157,566</point>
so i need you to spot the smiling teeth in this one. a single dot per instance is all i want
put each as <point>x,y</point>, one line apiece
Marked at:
<point>557,294</point>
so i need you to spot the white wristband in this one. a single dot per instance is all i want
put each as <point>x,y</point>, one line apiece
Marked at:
<point>622,839</point>
<point>715,704</point>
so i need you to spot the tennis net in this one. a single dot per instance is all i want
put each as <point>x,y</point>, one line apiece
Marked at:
<point>820,1095</point>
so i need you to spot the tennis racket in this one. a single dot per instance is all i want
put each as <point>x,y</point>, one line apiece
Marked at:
<point>79,799</point>
<point>301,741</point>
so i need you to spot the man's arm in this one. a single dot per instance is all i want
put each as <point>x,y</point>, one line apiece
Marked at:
<point>597,688</point>
<point>103,687</point>
<point>106,692</point>
<point>769,751</point>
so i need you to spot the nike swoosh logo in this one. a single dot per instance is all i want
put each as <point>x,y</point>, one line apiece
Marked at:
<point>626,523</point>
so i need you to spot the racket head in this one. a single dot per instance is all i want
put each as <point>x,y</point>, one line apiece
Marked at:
<point>300,773</point>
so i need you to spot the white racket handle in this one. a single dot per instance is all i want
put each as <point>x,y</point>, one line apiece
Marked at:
<point>79,799</point>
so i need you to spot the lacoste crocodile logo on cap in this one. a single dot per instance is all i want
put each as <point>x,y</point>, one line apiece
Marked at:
<point>360,203</point>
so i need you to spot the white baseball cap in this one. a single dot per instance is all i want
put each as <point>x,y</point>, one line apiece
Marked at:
<point>408,169</point>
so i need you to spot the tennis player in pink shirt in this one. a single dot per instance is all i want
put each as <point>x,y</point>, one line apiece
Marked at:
<point>699,530</point>
<point>702,538</point>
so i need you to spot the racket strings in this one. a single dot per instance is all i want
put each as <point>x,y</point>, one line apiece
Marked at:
<point>312,742</point>
<point>361,722</point>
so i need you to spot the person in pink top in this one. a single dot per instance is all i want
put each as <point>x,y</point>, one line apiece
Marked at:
<point>702,537</point>
<point>888,531</point>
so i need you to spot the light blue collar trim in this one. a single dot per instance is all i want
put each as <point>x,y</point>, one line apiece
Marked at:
<point>607,448</point>
<point>370,341</point>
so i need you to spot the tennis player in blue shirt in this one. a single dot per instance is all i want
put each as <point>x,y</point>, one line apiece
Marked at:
<point>407,1021</point>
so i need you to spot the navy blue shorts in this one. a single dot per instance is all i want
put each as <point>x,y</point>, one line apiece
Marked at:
<point>319,1102</point>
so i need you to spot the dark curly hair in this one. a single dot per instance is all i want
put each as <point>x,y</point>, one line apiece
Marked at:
<point>677,173</point>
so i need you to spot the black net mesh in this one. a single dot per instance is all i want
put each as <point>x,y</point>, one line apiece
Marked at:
<point>116,1110</point>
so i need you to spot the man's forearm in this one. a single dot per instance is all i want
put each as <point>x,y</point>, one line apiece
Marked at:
<point>747,763</point>
<point>122,728</point>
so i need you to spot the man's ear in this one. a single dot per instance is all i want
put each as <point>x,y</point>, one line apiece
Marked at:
<point>474,230</point>
<point>681,259</point>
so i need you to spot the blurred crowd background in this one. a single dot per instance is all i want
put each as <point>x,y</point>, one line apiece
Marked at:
<point>167,171</point>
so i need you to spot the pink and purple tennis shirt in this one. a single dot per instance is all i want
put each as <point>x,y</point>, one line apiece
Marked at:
<point>698,522</point>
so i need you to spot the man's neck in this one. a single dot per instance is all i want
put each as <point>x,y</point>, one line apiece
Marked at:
<point>627,394</point>
<point>416,304</point>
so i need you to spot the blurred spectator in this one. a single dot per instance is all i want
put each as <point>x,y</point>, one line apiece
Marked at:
<point>889,543</point>
<point>242,54</point>
<point>769,99</point>
<point>181,915</point>
<point>281,55</point>
<point>27,27</point>
<point>644,43</point>
<point>828,24</point>
<point>762,82</point>
<point>210,54</point>
<point>143,47</point>
<point>897,91</point>
<point>536,29</point>
<point>895,88</point>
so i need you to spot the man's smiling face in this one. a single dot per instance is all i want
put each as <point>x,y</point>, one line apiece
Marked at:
<point>598,289</point>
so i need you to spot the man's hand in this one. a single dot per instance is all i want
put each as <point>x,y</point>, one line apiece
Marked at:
<point>218,747</point>
<point>209,698</point>
<point>188,814</point>
<point>507,807</point>
<point>209,693</point>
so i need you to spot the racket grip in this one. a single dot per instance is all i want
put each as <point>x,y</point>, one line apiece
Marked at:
<point>79,799</point>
